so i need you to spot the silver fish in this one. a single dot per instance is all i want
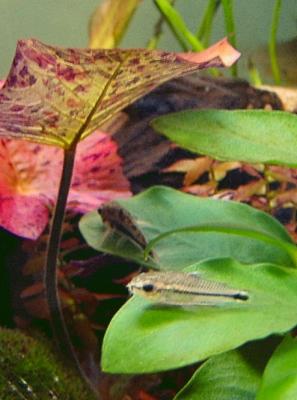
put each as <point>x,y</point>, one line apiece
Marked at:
<point>183,289</point>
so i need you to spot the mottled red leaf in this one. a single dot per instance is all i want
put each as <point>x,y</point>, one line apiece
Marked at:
<point>34,290</point>
<point>30,174</point>
<point>59,95</point>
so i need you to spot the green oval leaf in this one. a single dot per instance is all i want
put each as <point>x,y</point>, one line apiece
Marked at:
<point>159,210</point>
<point>229,230</point>
<point>280,375</point>
<point>235,374</point>
<point>143,337</point>
<point>253,136</point>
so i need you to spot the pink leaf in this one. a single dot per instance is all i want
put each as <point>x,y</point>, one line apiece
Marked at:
<point>98,175</point>
<point>58,95</point>
<point>221,53</point>
<point>30,174</point>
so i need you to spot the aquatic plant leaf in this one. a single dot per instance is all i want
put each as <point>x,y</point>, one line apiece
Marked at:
<point>160,210</point>
<point>253,136</point>
<point>29,178</point>
<point>193,168</point>
<point>280,375</point>
<point>151,332</point>
<point>109,22</point>
<point>59,95</point>
<point>235,374</point>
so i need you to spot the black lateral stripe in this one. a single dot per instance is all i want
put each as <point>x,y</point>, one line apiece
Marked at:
<point>238,295</point>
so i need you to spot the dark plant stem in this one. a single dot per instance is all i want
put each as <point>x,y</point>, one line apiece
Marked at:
<point>50,276</point>
<point>158,31</point>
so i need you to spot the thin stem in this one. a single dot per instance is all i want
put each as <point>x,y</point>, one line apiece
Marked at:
<point>272,42</point>
<point>254,74</point>
<point>230,27</point>
<point>204,30</point>
<point>50,276</point>
<point>52,296</point>
<point>158,31</point>
<point>178,26</point>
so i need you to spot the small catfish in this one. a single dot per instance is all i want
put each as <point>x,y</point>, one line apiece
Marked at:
<point>183,289</point>
<point>118,218</point>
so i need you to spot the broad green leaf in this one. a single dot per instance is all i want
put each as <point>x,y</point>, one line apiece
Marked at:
<point>280,376</point>
<point>253,136</point>
<point>109,22</point>
<point>59,95</point>
<point>234,375</point>
<point>160,209</point>
<point>144,337</point>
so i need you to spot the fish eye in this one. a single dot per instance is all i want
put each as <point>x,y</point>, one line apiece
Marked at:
<point>148,287</point>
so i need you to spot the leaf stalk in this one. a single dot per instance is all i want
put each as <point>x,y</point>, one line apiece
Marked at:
<point>272,42</point>
<point>50,275</point>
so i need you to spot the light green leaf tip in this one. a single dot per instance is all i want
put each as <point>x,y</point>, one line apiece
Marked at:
<point>253,136</point>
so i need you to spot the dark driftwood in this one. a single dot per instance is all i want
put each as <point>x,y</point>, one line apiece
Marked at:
<point>145,152</point>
